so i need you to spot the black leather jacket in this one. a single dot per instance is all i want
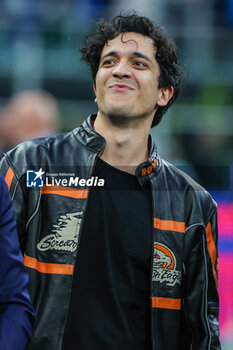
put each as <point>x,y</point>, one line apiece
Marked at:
<point>184,296</point>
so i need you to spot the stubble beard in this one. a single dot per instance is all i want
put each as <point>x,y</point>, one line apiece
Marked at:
<point>123,117</point>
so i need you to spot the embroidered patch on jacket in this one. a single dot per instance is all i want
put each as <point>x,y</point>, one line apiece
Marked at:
<point>65,234</point>
<point>164,266</point>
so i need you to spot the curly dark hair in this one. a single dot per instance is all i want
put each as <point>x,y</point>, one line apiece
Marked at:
<point>166,54</point>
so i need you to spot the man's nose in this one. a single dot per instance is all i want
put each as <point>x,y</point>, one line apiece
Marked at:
<point>122,70</point>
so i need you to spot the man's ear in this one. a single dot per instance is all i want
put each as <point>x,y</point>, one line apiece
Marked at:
<point>165,95</point>
<point>94,88</point>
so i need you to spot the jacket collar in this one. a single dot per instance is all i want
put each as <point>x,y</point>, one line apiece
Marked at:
<point>147,169</point>
<point>88,136</point>
<point>94,141</point>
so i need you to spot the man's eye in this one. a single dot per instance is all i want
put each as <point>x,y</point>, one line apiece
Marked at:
<point>108,62</point>
<point>139,64</point>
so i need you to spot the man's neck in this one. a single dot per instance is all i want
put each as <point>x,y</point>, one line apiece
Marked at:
<point>126,147</point>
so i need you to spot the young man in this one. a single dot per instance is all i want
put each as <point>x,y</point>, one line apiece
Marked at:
<point>131,264</point>
<point>16,311</point>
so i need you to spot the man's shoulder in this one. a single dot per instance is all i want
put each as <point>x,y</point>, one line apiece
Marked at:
<point>179,177</point>
<point>35,147</point>
<point>43,143</point>
<point>40,151</point>
<point>189,188</point>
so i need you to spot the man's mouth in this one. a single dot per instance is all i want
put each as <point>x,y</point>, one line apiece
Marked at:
<point>121,87</point>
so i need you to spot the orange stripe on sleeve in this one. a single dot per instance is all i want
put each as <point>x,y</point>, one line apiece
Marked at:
<point>212,249</point>
<point>59,269</point>
<point>166,303</point>
<point>9,177</point>
<point>169,225</point>
<point>65,191</point>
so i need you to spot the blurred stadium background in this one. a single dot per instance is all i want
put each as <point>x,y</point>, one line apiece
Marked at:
<point>39,43</point>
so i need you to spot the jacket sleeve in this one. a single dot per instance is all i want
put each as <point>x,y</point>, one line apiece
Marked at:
<point>201,301</point>
<point>211,236</point>
<point>16,311</point>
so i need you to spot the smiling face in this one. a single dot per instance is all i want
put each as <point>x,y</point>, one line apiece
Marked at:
<point>127,79</point>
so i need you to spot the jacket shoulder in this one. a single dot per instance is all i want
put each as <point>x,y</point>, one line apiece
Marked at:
<point>37,152</point>
<point>190,191</point>
<point>179,177</point>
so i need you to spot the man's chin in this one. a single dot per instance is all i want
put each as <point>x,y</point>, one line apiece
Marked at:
<point>123,115</point>
<point>120,116</point>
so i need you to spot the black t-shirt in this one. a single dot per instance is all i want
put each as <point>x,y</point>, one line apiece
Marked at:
<point>110,299</point>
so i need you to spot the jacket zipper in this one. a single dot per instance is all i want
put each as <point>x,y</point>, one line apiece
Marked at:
<point>80,232</point>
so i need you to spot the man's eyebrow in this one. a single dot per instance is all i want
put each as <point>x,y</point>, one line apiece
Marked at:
<point>135,53</point>
<point>141,55</point>
<point>111,53</point>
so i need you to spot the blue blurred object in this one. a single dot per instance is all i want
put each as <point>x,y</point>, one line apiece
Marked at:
<point>229,11</point>
<point>16,311</point>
